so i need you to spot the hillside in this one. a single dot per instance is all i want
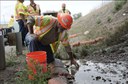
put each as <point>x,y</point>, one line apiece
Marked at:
<point>101,22</point>
<point>109,22</point>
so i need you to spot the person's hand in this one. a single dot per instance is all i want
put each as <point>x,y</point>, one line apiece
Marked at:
<point>25,24</point>
<point>73,61</point>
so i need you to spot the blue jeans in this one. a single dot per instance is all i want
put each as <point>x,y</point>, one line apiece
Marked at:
<point>23,30</point>
<point>35,45</point>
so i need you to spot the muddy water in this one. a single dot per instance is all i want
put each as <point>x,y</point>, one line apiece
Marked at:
<point>100,73</point>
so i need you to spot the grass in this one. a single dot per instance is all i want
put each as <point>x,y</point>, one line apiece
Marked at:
<point>119,4</point>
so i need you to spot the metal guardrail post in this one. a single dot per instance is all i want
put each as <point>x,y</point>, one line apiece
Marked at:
<point>2,53</point>
<point>18,43</point>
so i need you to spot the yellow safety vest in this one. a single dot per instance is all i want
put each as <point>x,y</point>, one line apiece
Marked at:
<point>20,9</point>
<point>11,23</point>
<point>32,11</point>
<point>64,40</point>
<point>43,24</point>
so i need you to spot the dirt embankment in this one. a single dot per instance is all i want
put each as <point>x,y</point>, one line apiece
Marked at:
<point>118,52</point>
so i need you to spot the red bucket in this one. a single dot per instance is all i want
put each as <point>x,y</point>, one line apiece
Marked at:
<point>34,58</point>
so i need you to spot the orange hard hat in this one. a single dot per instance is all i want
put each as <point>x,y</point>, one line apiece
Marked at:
<point>65,20</point>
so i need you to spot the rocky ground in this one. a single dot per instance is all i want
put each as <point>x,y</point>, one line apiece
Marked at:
<point>118,52</point>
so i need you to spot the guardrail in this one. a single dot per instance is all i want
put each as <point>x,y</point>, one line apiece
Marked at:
<point>2,53</point>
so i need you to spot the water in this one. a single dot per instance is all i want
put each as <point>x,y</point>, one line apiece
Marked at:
<point>100,73</point>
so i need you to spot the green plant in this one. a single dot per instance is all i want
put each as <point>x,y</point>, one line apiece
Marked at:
<point>109,19</point>
<point>119,4</point>
<point>76,16</point>
<point>22,76</point>
<point>98,21</point>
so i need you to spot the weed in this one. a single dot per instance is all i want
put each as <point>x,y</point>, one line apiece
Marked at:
<point>98,21</point>
<point>23,76</point>
<point>119,4</point>
<point>109,19</point>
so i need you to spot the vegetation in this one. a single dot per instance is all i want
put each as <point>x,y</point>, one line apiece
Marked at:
<point>109,19</point>
<point>23,73</point>
<point>119,4</point>
<point>26,76</point>
<point>98,21</point>
<point>76,16</point>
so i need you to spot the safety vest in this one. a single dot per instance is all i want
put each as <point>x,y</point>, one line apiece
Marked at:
<point>20,9</point>
<point>11,23</point>
<point>55,45</point>
<point>43,25</point>
<point>32,11</point>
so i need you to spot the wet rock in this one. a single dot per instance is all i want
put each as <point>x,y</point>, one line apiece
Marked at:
<point>104,79</point>
<point>126,82</point>
<point>85,64</point>
<point>98,77</point>
<point>113,72</point>
<point>120,51</point>
<point>124,76</point>
<point>118,82</point>
<point>120,63</point>
<point>1,81</point>
<point>88,69</point>
<point>109,80</point>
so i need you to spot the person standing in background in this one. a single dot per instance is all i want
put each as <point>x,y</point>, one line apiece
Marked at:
<point>64,10</point>
<point>34,9</point>
<point>10,24</point>
<point>20,15</point>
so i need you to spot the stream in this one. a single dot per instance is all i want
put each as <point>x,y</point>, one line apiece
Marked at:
<point>100,73</point>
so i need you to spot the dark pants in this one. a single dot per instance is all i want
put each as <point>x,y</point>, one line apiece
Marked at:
<point>23,30</point>
<point>8,30</point>
<point>35,45</point>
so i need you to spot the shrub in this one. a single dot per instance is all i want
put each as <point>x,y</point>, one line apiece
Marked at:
<point>119,4</point>
<point>109,19</point>
<point>98,21</point>
<point>39,77</point>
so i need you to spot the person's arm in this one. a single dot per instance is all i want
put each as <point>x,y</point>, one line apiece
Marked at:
<point>23,18</point>
<point>30,24</point>
<point>30,28</point>
<point>65,42</point>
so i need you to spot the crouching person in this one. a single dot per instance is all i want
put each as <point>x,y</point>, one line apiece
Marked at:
<point>47,34</point>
